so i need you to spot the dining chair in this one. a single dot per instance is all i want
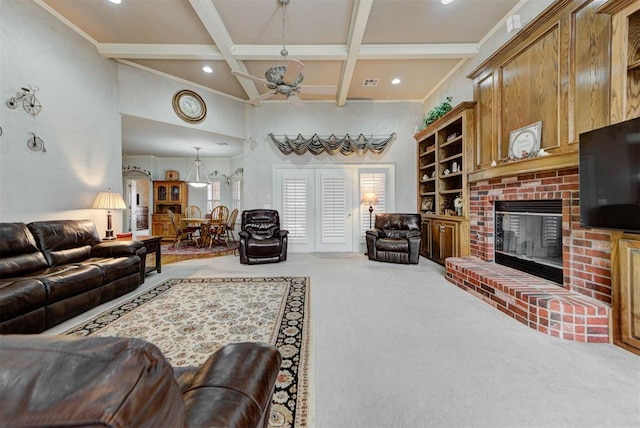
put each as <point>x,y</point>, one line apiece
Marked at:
<point>193,211</point>
<point>231,224</point>
<point>217,223</point>
<point>181,233</point>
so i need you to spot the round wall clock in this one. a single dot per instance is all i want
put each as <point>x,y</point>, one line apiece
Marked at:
<point>189,106</point>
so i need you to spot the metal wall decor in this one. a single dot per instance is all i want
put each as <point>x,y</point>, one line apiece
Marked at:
<point>332,144</point>
<point>35,144</point>
<point>227,178</point>
<point>27,100</point>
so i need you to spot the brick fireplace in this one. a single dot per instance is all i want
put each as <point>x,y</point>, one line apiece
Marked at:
<point>577,309</point>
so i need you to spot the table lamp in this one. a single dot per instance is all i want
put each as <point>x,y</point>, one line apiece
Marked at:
<point>109,201</point>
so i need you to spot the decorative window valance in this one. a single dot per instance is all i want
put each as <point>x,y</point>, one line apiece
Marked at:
<point>332,144</point>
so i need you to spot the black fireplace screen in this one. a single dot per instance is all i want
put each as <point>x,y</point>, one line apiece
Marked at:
<point>529,237</point>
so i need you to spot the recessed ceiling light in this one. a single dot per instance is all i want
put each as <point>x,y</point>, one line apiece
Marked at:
<point>116,1</point>
<point>447,1</point>
<point>207,69</point>
<point>395,81</point>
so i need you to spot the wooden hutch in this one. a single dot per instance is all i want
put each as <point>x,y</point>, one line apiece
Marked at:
<point>167,195</point>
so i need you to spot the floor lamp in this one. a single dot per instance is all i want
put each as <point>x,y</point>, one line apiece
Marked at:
<point>109,201</point>
<point>371,199</point>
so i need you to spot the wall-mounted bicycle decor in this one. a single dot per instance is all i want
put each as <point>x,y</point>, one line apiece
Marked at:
<point>35,144</point>
<point>27,100</point>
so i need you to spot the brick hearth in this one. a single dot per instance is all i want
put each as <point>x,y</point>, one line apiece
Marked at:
<point>586,256</point>
<point>535,302</point>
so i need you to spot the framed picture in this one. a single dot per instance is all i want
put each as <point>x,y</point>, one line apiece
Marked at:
<point>427,204</point>
<point>525,141</point>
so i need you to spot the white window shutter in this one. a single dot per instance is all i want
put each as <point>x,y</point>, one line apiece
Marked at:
<point>333,209</point>
<point>294,206</point>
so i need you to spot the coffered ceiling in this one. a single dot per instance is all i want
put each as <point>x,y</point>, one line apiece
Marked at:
<point>341,42</point>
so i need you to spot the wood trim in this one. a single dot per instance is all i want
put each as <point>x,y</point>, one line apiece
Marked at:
<point>613,6</point>
<point>545,163</point>
<point>618,320</point>
<point>444,120</point>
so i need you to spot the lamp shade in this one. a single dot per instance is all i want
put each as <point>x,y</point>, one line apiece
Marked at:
<point>201,178</point>
<point>109,201</point>
<point>369,198</point>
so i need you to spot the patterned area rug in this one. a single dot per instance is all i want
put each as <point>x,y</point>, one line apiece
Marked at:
<point>189,319</point>
<point>189,248</point>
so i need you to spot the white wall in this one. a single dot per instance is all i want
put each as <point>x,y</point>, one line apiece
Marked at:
<point>79,121</point>
<point>458,85</point>
<point>150,96</point>
<point>260,154</point>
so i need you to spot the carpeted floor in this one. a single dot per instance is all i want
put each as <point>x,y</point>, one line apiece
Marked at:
<point>207,313</point>
<point>399,346</point>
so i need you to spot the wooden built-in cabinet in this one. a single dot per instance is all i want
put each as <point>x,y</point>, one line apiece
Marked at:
<point>167,195</point>
<point>625,272</point>
<point>556,70</point>
<point>625,105</point>
<point>444,148</point>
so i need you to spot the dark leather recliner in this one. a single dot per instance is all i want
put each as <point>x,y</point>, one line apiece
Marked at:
<point>261,239</point>
<point>395,238</point>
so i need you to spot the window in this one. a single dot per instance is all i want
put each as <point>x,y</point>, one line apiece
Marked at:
<point>376,183</point>
<point>235,194</point>
<point>294,206</point>
<point>213,195</point>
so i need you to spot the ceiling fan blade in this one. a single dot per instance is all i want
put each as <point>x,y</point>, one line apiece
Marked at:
<point>257,100</point>
<point>296,102</point>
<point>250,77</point>
<point>294,68</point>
<point>318,89</point>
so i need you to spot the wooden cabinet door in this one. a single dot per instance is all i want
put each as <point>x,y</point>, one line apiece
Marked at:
<point>425,241</point>
<point>629,296</point>
<point>161,192</point>
<point>159,227</point>
<point>443,240</point>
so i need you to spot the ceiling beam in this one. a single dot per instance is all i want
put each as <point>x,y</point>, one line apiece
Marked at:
<point>301,52</point>
<point>212,21</point>
<point>359,19</point>
<point>149,51</point>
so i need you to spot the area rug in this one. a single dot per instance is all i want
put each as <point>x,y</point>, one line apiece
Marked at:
<point>189,319</point>
<point>189,248</point>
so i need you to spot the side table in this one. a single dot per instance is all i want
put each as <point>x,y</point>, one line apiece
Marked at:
<point>153,245</point>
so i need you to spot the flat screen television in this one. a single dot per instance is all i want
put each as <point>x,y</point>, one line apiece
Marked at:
<point>610,177</point>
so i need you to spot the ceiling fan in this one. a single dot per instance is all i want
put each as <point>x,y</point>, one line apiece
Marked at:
<point>285,78</point>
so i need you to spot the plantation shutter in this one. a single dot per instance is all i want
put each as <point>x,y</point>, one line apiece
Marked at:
<point>334,209</point>
<point>235,194</point>
<point>376,183</point>
<point>294,206</point>
<point>213,195</point>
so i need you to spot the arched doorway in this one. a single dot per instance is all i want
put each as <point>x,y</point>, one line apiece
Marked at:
<point>137,196</point>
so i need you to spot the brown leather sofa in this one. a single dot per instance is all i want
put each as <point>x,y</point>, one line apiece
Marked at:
<point>395,238</point>
<point>65,381</point>
<point>51,271</point>
<point>261,239</point>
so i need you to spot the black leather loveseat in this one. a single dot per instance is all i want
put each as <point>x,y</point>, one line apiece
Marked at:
<point>70,381</point>
<point>51,271</point>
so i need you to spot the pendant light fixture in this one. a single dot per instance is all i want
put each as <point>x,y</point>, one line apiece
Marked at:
<point>201,178</point>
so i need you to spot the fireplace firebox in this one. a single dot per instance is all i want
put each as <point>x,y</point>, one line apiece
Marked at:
<point>529,237</point>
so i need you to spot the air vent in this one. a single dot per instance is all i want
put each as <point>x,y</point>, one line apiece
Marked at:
<point>370,82</point>
<point>222,143</point>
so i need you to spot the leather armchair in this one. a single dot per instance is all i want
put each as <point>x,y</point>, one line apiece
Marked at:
<point>395,238</point>
<point>65,381</point>
<point>261,239</point>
